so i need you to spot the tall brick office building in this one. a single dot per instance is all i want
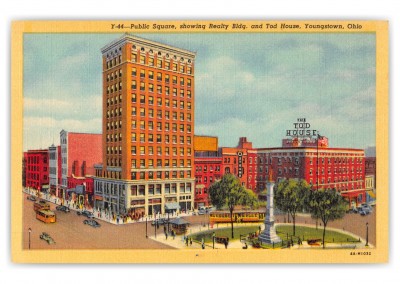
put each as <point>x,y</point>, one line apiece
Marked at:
<point>148,126</point>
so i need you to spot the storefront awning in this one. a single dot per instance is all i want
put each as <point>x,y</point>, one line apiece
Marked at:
<point>172,206</point>
<point>371,193</point>
<point>179,221</point>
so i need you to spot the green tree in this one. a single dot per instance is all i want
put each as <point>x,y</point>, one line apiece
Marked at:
<point>291,195</point>
<point>327,205</point>
<point>228,192</point>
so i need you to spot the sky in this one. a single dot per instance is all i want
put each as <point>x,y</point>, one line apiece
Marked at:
<point>254,85</point>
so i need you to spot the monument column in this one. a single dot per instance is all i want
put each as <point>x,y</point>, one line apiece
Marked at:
<point>269,235</point>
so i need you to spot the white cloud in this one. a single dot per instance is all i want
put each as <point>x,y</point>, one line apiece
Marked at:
<point>41,132</point>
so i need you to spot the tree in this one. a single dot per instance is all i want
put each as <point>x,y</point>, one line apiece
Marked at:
<point>228,192</point>
<point>290,196</point>
<point>327,205</point>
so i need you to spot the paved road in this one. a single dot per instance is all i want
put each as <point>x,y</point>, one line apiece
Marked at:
<point>69,232</point>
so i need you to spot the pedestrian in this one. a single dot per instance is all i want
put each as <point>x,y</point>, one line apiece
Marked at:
<point>190,241</point>
<point>226,244</point>
<point>187,241</point>
<point>166,236</point>
<point>173,234</point>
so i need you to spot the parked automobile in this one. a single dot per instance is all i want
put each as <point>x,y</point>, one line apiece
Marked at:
<point>362,212</point>
<point>366,207</point>
<point>46,237</point>
<point>85,213</point>
<point>31,198</point>
<point>202,212</point>
<point>91,222</point>
<point>62,208</point>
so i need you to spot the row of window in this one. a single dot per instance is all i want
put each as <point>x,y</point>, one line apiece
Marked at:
<point>114,87</point>
<point>114,125</point>
<point>210,168</point>
<point>150,151</point>
<point>160,115</point>
<point>160,90</point>
<point>339,171</point>
<point>140,190</point>
<point>160,77</point>
<point>338,160</point>
<point>158,138</point>
<point>206,179</point>
<point>36,160</point>
<point>150,163</point>
<point>35,168</point>
<point>160,175</point>
<point>114,62</point>
<point>167,64</point>
<point>159,112</point>
<point>343,187</point>
<point>167,102</point>
<point>295,160</point>
<point>159,127</point>
<point>114,75</point>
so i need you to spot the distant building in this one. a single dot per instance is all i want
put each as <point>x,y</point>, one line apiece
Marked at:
<point>37,169</point>
<point>79,154</point>
<point>55,171</point>
<point>370,178</point>
<point>322,167</point>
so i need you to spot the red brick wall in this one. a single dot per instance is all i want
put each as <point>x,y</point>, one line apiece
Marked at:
<point>84,147</point>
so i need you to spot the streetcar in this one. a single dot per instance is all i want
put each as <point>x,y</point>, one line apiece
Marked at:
<point>46,216</point>
<point>41,205</point>
<point>239,216</point>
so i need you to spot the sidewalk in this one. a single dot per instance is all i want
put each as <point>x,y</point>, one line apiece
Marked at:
<point>104,217</point>
<point>179,242</point>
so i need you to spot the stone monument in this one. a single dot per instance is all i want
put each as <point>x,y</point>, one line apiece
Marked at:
<point>269,235</point>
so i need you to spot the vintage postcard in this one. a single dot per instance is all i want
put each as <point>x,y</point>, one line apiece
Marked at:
<point>200,141</point>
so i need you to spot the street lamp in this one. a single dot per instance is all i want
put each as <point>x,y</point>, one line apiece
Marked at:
<point>213,240</point>
<point>366,244</point>
<point>168,220</point>
<point>155,226</point>
<point>29,242</point>
<point>146,228</point>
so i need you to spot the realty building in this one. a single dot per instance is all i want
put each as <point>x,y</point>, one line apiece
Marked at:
<point>148,125</point>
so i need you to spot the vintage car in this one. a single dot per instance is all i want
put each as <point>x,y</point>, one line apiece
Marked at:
<point>46,237</point>
<point>92,223</point>
<point>62,208</point>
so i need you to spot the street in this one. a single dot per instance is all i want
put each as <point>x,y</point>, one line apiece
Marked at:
<point>69,232</point>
